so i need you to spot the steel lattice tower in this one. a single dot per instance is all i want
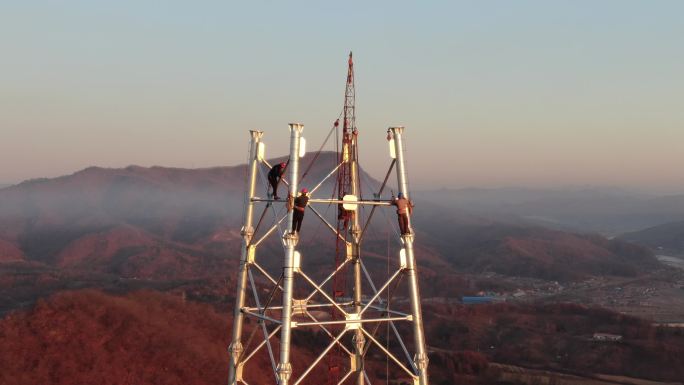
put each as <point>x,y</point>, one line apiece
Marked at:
<point>354,320</point>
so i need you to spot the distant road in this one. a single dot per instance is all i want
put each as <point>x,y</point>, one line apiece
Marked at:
<point>670,324</point>
<point>671,261</point>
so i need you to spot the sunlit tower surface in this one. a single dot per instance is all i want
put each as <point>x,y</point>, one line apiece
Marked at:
<point>348,320</point>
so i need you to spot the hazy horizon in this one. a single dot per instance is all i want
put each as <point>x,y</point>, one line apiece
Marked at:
<point>497,94</point>
<point>649,190</point>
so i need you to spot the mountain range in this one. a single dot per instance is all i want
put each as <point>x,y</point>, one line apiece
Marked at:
<point>608,211</point>
<point>165,223</point>
<point>665,238</point>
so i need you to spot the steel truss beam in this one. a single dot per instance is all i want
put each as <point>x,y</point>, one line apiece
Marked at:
<point>263,325</point>
<point>334,230</point>
<point>320,357</point>
<point>389,354</point>
<point>329,201</point>
<point>351,322</point>
<point>313,190</point>
<point>385,309</point>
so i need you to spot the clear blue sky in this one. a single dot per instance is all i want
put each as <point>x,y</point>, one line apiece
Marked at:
<point>493,93</point>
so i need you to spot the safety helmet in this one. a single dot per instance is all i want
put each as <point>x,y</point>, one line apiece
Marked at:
<point>400,195</point>
<point>304,190</point>
<point>283,164</point>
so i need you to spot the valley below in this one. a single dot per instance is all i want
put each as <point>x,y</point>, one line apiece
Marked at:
<point>125,255</point>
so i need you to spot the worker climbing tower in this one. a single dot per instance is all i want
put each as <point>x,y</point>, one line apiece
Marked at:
<point>337,323</point>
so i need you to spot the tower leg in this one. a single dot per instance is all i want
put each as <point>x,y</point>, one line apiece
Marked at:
<point>420,358</point>
<point>290,240</point>
<point>234,369</point>
<point>358,339</point>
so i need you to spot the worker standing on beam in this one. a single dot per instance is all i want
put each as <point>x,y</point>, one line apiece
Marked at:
<point>274,177</point>
<point>404,208</point>
<point>299,206</point>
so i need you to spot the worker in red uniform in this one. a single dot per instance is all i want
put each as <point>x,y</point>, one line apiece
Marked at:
<point>404,208</point>
<point>274,177</point>
<point>299,206</point>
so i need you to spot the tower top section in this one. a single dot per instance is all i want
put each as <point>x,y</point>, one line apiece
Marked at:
<point>349,123</point>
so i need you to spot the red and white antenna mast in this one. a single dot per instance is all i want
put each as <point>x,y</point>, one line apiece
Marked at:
<point>347,181</point>
<point>348,244</point>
